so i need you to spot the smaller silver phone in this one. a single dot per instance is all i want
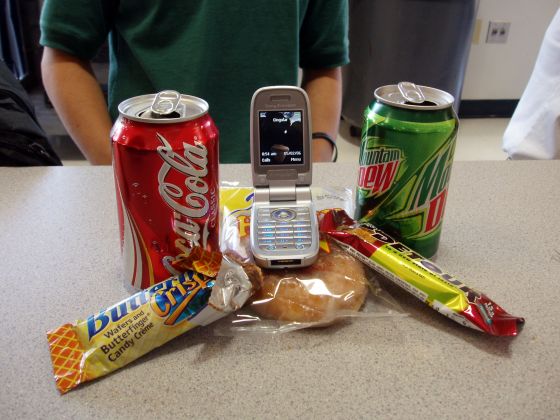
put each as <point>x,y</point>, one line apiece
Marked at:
<point>284,231</point>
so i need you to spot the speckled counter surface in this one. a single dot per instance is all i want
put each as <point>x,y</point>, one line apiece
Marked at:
<point>60,261</point>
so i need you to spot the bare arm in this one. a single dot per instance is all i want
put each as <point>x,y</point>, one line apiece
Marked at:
<point>79,102</point>
<point>324,88</point>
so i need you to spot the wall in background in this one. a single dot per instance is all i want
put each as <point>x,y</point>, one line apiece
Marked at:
<point>501,71</point>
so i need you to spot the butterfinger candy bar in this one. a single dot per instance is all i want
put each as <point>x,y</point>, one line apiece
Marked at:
<point>418,275</point>
<point>114,337</point>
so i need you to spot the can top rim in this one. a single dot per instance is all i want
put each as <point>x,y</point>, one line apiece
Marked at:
<point>138,108</point>
<point>435,99</point>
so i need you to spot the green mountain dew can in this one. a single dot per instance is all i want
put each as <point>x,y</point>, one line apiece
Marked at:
<point>406,153</point>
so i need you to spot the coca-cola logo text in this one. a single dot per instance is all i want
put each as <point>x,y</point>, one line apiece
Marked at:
<point>190,200</point>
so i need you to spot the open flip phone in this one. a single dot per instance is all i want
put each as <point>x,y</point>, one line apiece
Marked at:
<point>284,231</point>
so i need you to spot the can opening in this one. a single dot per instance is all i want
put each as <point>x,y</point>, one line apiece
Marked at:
<point>425,103</point>
<point>150,114</point>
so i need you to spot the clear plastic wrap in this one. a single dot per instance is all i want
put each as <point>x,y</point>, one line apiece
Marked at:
<point>336,287</point>
<point>106,341</point>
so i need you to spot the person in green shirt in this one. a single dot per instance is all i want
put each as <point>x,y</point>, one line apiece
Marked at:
<point>221,51</point>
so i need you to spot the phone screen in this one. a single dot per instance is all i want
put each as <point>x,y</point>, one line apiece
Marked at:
<point>281,137</point>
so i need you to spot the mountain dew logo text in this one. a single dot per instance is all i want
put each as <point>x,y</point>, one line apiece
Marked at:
<point>429,193</point>
<point>378,169</point>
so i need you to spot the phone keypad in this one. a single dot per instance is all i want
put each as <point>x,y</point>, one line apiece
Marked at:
<point>284,228</point>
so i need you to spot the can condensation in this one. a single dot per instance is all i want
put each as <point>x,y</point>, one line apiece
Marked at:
<point>406,154</point>
<point>165,160</point>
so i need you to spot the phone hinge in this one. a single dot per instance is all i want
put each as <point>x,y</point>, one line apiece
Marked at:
<point>273,194</point>
<point>281,191</point>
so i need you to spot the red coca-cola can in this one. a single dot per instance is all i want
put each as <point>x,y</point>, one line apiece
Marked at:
<point>165,160</point>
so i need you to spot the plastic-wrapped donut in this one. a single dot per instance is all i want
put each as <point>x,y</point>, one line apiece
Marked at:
<point>334,284</point>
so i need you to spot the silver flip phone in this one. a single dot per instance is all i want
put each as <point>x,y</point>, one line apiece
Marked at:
<point>284,231</point>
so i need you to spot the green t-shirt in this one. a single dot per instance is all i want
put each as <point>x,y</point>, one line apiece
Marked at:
<point>219,50</point>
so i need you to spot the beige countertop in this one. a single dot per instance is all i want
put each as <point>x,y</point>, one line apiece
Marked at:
<point>60,261</point>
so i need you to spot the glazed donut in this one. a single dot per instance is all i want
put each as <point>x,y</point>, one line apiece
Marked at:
<point>335,282</point>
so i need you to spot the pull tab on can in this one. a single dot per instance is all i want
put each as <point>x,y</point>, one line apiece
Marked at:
<point>411,92</point>
<point>165,103</point>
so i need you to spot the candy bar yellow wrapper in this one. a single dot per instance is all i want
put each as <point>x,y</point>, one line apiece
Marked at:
<point>418,275</point>
<point>104,342</point>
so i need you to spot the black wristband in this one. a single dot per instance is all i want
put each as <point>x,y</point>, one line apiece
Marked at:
<point>321,135</point>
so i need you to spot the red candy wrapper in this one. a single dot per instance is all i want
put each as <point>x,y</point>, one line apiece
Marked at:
<point>418,275</point>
